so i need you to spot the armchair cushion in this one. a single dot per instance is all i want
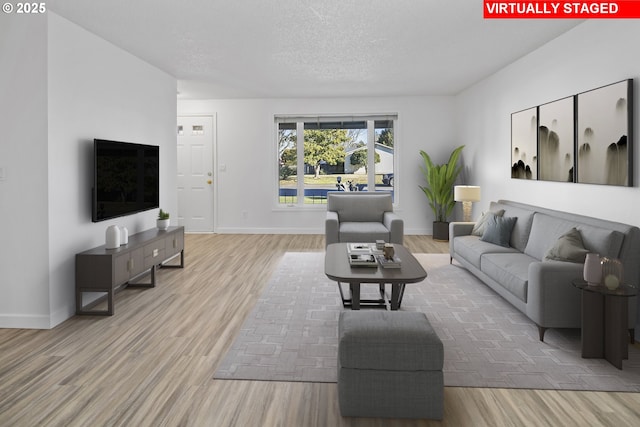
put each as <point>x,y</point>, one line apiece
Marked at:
<point>359,207</point>
<point>363,232</point>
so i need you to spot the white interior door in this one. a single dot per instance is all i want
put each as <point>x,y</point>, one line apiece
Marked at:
<point>195,173</point>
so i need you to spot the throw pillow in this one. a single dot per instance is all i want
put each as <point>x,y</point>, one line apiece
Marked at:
<point>498,230</point>
<point>569,247</point>
<point>481,224</point>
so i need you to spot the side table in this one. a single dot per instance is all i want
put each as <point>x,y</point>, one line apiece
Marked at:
<point>604,321</point>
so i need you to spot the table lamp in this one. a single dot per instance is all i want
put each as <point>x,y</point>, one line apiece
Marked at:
<point>466,194</point>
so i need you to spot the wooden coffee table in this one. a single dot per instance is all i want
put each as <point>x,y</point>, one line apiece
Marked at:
<point>337,267</point>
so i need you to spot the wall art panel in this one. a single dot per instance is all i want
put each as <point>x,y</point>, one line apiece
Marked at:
<point>556,140</point>
<point>524,144</point>
<point>604,135</point>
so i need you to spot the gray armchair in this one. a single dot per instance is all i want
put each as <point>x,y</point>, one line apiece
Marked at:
<point>362,217</point>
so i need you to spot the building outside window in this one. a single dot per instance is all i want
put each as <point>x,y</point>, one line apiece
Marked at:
<point>320,154</point>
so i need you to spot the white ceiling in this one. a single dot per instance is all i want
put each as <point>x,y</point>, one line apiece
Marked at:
<point>313,48</point>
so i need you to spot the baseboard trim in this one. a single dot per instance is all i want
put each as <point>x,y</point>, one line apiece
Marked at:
<point>279,230</point>
<point>24,321</point>
<point>284,230</point>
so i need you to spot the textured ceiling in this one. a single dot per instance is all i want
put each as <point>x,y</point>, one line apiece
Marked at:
<point>313,48</point>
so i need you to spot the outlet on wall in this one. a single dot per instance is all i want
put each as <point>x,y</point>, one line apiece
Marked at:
<point>244,214</point>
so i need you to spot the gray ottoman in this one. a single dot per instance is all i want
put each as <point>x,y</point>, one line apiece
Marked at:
<point>389,365</point>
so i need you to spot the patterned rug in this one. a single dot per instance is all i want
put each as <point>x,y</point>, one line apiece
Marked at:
<point>291,334</point>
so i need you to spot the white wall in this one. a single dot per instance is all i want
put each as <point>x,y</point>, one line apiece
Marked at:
<point>96,90</point>
<point>591,55</point>
<point>246,146</point>
<point>24,274</point>
<point>23,156</point>
<point>87,89</point>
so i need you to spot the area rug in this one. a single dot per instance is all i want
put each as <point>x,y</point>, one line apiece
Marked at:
<point>291,334</point>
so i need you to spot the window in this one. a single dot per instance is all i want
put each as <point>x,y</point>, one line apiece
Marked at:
<point>321,154</point>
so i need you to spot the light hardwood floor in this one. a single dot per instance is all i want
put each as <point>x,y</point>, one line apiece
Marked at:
<point>152,363</point>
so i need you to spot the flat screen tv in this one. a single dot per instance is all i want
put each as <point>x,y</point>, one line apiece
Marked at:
<point>126,179</point>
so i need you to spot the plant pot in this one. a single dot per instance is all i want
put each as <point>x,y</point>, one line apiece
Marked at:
<point>162,224</point>
<point>441,231</point>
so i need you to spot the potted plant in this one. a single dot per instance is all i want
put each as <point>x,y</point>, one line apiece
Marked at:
<point>439,190</point>
<point>163,220</point>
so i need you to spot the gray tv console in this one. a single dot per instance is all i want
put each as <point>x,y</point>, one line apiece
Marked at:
<point>109,270</point>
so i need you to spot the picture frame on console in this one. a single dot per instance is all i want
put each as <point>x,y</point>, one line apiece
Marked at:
<point>556,140</point>
<point>604,135</point>
<point>524,144</point>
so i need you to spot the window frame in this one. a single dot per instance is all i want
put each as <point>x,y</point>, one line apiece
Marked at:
<point>300,121</point>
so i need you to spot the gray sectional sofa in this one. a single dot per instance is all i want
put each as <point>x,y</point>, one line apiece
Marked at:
<point>521,271</point>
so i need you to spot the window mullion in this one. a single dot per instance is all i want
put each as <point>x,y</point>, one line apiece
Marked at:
<point>371,152</point>
<point>300,162</point>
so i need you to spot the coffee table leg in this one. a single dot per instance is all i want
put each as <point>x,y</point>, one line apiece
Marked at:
<point>355,295</point>
<point>397,291</point>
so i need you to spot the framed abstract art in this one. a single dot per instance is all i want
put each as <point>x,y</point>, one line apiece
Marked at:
<point>524,144</point>
<point>604,135</point>
<point>584,138</point>
<point>556,140</point>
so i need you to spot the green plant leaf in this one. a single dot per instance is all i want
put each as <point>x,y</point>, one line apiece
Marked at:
<point>440,180</point>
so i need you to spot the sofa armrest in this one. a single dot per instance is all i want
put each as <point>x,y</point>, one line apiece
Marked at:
<point>331,228</point>
<point>552,300</point>
<point>458,229</point>
<point>395,225</point>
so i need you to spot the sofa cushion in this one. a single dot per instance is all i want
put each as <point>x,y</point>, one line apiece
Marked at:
<point>521,229</point>
<point>510,270</point>
<point>481,224</point>
<point>357,206</point>
<point>546,230</point>
<point>471,248</point>
<point>363,232</point>
<point>568,247</point>
<point>498,230</point>
<point>602,241</point>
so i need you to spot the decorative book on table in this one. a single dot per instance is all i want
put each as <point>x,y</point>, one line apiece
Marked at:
<point>362,260</point>
<point>358,248</point>
<point>395,262</point>
<point>363,248</point>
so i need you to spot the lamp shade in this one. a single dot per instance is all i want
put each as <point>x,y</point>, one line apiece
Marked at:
<point>466,193</point>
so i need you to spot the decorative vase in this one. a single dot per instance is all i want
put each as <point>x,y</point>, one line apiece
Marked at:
<point>592,272</point>
<point>112,237</point>
<point>388,251</point>
<point>612,273</point>
<point>162,224</point>
<point>124,236</point>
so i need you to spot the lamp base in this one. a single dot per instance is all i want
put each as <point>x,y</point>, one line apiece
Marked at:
<point>466,211</point>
